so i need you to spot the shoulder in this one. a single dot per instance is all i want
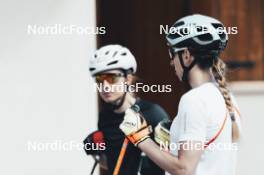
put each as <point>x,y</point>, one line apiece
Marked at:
<point>148,106</point>
<point>191,98</point>
<point>193,104</point>
<point>200,96</point>
<point>152,112</point>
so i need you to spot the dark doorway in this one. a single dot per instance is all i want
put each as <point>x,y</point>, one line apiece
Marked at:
<point>136,25</point>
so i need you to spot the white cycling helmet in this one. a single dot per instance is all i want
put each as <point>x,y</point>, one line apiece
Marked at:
<point>112,57</point>
<point>198,32</point>
<point>204,36</point>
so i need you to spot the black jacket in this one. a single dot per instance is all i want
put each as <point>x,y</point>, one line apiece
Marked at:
<point>109,124</point>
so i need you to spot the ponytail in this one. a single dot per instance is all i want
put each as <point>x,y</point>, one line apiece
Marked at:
<point>218,70</point>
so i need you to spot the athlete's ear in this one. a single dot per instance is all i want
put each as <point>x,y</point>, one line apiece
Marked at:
<point>129,79</point>
<point>187,57</point>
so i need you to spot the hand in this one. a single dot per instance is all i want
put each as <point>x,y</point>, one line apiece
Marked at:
<point>162,132</point>
<point>135,127</point>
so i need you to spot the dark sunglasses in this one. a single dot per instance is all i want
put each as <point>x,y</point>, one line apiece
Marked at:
<point>109,77</point>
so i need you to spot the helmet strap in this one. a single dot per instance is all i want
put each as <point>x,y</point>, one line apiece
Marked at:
<point>185,68</point>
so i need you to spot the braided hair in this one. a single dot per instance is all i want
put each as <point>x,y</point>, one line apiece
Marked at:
<point>218,70</point>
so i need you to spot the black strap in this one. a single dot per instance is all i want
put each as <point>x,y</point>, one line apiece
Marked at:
<point>185,68</point>
<point>94,166</point>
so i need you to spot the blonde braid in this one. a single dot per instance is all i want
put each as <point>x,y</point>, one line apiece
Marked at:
<point>218,71</point>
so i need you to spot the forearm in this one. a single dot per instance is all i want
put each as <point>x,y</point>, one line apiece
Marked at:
<point>136,129</point>
<point>163,159</point>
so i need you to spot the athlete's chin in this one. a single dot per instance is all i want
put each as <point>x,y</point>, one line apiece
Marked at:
<point>109,98</point>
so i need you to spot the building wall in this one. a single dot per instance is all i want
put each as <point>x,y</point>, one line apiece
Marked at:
<point>250,97</point>
<point>45,88</point>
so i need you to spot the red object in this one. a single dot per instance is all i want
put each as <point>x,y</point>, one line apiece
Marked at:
<point>98,137</point>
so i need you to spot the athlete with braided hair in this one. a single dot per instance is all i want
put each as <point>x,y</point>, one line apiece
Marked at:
<point>207,125</point>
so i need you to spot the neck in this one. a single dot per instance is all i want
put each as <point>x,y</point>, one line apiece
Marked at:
<point>128,102</point>
<point>198,76</point>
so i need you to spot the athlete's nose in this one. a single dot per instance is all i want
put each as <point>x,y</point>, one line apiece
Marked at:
<point>106,85</point>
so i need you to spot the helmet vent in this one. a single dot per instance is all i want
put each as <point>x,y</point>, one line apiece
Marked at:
<point>124,54</point>
<point>178,24</point>
<point>201,28</point>
<point>92,69</point>
<point>205,37</point>
<point>114,54</point>
<point>220,29</point>
<point>113,62</point>
<point>107,52</point>
<point>180,33</point>
<point>176,32</point>
<point>95,55</point>
<point>217,25</point>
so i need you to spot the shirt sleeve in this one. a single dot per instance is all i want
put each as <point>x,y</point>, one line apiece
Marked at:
<point>193,118</point>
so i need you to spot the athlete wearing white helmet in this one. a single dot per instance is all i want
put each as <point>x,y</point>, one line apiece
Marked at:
<point>202,35</point>
<point>115,62</point>
<point>115,65</point>
<point>203,135</point>
<point>112,57</point>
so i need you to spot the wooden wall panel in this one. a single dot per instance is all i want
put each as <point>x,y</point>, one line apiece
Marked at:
<point>245,46</point>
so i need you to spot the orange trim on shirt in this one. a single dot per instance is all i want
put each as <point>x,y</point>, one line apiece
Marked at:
<point>217,134</point>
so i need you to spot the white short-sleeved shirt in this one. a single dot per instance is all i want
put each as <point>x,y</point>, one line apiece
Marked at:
<point>201,114</point>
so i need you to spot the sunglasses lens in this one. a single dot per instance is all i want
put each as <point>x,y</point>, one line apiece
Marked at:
<point>110,78</point>
<point>99,79</point>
